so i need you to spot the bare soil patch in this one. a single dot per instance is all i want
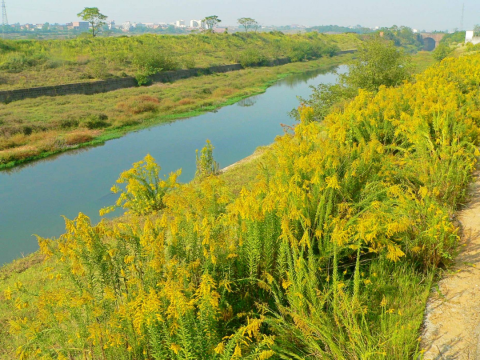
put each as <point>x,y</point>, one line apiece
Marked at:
<point>452,321</point>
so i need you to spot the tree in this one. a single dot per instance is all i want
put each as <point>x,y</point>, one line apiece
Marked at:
<point>211,22</point>
<point>441,52</point>
<point>247,23</point>
<point>206,164</point>
<point>476,30</point>
<point>94,17</point>
<point>256,26</point>
<point>378,63</point>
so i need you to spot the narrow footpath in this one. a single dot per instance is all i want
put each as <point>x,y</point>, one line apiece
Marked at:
<point>452,320</point>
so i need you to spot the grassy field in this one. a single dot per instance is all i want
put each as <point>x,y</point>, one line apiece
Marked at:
<point>50,62</point>
<point>36,128</point>
<point>422,60</point>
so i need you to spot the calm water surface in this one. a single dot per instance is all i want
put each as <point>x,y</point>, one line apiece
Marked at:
<point>33,197</point>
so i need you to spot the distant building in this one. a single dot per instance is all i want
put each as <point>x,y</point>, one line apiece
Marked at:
<point>59,26</point>
<point>27,27</point>
<point>111,25</point>
<point>471,38</point>
<point>180,23</point>
<point>78,25</point>
<point>196,24</point>
<point>126,26</point>
<point>415,31</point>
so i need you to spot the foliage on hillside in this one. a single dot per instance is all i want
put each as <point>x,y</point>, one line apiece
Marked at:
<point>404,37</point>
<point>377,63</point>
<point>458,37</point>
<point>340,29</point>
<point>442,51</point>
<point>37,63</point>
<point>329,255</point>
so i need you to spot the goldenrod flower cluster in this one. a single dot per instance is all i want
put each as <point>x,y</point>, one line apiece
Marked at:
<point>290,268</point>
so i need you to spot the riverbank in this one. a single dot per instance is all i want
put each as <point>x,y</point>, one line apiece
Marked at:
<point>56,125</point>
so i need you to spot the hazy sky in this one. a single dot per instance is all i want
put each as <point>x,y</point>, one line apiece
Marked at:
<point>420,14</point>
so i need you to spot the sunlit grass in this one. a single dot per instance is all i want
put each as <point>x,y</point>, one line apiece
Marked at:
<point>33,63</point>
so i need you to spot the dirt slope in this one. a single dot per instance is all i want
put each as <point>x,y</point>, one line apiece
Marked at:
<point>452,321</point>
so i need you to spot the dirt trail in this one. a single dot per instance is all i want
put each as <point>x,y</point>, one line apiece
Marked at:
<point>452,320</point>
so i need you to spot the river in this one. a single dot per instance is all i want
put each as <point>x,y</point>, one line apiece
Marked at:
<point>34,196</point>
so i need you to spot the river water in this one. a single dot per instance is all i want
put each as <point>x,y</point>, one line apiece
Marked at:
<point>34,196</point>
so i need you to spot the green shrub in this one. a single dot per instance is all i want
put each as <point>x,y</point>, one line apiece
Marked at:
<point>441,52</point>
<point>97,121</point>
<point>206,164</point>
<point>150,62</point>
<point>17,62</point>
<point>252,57</point>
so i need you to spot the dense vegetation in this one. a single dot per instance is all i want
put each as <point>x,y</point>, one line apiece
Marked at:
<point>458,37</point>
<point>404,37</point>
<point>329,254</point>
<point>340,29</point>
<point>442,51</point>
<point>377,63</point>
<point>35,128</point>
<point>29,63</point>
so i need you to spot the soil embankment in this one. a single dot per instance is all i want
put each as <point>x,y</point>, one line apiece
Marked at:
<point>452,320</point>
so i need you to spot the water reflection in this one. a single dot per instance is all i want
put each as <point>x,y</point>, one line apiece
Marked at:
<point>248,101</point>
<point>303,78</point>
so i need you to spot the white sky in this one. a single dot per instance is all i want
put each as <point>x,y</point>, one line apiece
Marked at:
<point>419,14</point>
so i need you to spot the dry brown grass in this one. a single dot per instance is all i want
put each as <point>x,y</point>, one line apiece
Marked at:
<point>167,104</point>
<point>222,92</point>
<point>186,101</point>
<point>80,136</point>
<point>18,153</point>
<point>139,104</point>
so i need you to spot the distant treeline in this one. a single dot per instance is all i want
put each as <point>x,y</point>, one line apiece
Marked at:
<point>455,38</point>
<point>340,29</point>
<point>403,36</point>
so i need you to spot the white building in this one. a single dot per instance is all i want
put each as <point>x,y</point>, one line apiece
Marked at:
<point>127,25</point>
<point>196,24</point>
<point>180,23</point>
<point>470,38</point>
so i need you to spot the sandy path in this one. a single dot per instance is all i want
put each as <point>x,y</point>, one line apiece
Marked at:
<point>452,320</point>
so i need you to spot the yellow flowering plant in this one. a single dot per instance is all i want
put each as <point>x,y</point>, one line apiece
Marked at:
<point>322,257</point>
